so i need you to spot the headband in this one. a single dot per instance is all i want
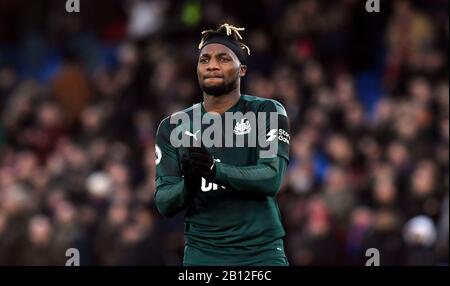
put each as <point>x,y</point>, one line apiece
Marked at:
<point>229,43</point>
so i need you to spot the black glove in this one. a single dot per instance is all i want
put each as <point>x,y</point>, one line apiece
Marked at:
<point>202,162</point>
<point>192,182</point>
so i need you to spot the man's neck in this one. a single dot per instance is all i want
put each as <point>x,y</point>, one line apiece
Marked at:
<point>221,103</point>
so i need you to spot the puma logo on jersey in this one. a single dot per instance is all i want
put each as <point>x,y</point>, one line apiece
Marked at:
<point>192,135</point>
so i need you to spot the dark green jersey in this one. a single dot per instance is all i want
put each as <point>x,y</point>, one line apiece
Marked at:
<point>236,214</point>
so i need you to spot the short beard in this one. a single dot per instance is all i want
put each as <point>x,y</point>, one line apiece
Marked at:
<point>218,90</point>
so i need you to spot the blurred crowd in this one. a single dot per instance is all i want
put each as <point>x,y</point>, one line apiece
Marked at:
<point>81,96</point>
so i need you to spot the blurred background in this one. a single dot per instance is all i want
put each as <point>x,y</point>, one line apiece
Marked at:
<point>81,96</point>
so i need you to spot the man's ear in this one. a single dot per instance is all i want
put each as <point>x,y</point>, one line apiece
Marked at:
<point>242,70</point>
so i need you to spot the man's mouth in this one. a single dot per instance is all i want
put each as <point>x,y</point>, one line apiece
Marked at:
<point>213,76</point>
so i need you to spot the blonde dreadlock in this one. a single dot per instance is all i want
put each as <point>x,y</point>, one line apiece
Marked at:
<point>229,30</point>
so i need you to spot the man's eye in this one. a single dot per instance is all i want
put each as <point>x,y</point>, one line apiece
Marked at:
<point>224,59</point>
<point>203,61</point>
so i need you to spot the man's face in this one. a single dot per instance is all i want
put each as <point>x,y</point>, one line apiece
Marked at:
<point>218,70</point>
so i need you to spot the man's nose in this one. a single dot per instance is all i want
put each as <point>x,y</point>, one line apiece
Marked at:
<point>212,65</point>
